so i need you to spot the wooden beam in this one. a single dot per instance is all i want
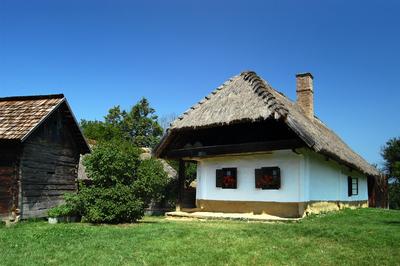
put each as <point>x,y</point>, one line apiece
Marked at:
<point>181,184</point>
<point>235,148</point>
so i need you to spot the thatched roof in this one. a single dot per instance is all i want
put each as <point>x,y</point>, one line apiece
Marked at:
<point>247,97</point>
<point>21,115</point>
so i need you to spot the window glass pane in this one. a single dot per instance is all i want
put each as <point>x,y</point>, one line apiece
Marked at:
<point>354,186</point>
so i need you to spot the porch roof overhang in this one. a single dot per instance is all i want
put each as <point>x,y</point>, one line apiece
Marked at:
<point>215,150</point>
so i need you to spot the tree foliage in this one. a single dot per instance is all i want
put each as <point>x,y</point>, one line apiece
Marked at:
<point>138,125</point>
<point>122,184</point>
<point>391,154</point>
<point>100,131</point>
<point>113,163</point>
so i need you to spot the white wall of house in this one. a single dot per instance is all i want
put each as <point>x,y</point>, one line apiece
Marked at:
<point>304,177</point>
<point>288,162</point>
<point>328,180</point>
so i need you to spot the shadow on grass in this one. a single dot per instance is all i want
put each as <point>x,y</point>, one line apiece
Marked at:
<point>148,222</point>
<point>392,222</point>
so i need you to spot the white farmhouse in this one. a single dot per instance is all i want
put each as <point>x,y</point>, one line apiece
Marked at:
<point>259,152</point>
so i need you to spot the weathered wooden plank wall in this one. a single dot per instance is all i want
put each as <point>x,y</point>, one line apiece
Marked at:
<point>9,188</point>
<point>48,168</point>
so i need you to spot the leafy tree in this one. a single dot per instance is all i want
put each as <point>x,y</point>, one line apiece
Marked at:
<point>113,163</point>
<point>391,155</point>
<point>115,116</point>
<point>122,185</point>
<point>151,181</point>
<point>101,131</point>
<point>139,125</point>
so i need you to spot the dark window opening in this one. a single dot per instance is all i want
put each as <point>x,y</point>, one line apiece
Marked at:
<point>268,178</point>
<point>226,178</point>
<point>352,184</point>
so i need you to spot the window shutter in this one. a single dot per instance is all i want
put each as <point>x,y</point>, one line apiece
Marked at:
<point>349,186</point>
<point>258,173</point>
<point>234,174</point>
<point>354,186</point>
<point>277,177</point>
<point>219,173</point>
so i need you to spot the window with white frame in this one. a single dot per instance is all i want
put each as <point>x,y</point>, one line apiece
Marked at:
<point>352,184</point>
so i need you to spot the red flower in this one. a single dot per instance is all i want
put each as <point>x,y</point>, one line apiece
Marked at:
<point>229,181</point>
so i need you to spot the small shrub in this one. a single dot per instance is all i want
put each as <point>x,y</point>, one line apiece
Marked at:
<point>122,187</point>
<point>111,205</point>
<point>72,207</point>
<point>62,210</point>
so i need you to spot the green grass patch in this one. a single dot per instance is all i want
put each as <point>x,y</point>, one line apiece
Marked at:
<point>349,237</point>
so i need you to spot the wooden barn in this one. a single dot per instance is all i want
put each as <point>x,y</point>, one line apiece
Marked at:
<point>40,145</point>
<point>259,152</point>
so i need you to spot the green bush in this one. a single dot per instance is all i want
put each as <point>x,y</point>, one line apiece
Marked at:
<point>122,187</point>
<point>71,207</point>
<point>151,181</point>
<point>115,204</point>
<point>59,211</point>
<point>112,163</point>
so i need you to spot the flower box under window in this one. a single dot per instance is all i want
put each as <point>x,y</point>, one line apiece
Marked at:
<point>268,178</point>
<point>226,178</point>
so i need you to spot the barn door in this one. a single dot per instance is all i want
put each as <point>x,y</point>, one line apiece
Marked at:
<point>8,189</point>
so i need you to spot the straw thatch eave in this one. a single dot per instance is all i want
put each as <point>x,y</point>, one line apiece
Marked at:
<point>247,97</point>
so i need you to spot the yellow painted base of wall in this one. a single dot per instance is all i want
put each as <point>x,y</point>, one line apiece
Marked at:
<point>281,209</point>
<point>327,206</point>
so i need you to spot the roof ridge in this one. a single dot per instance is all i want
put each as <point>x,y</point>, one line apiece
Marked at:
<point>32,97</point>
<point>261,88</point>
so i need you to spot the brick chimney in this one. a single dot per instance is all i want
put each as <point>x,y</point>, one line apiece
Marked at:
<point>305,93</point>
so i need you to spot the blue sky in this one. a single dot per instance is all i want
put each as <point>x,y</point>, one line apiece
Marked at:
<point>106,53</point>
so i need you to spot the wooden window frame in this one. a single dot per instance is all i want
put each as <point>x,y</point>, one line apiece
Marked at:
<point>221,174</point>
<point>262,173</point>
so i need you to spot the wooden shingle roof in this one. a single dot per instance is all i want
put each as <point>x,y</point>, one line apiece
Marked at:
<point>247,97</point>
<point>21,115</point>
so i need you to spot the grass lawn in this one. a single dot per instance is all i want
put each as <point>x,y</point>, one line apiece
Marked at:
<point>351,237</point>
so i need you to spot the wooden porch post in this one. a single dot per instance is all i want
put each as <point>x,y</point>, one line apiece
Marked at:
<point>181,185</point>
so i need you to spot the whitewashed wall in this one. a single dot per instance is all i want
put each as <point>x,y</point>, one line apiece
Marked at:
<point>328,180</point>
<point>304,177</point>
<point>286,160</point>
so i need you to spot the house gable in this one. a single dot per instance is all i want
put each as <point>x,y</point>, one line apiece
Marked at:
<point>40,144</point>
<point>247,97</point>
<point>48,165</point>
